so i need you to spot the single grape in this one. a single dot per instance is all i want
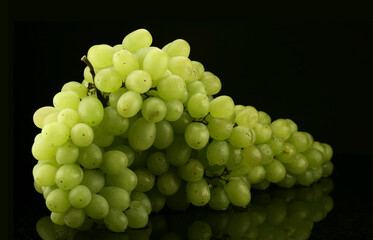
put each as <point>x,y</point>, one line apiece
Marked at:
<point>196,135</point>
<point>126,179</point>
<point>238,193</point>
<point>137,39</point>
<point>80,196</point>
<point>198,192</point>
<point>116,197</point>
<point>91,111</point>
<point>81,135</point>
<point>113,162</point>
<point>222,107</point>
<point>108,80</point>
<point>191,171</point>
<point>98,208</point>
<point>116,220</point>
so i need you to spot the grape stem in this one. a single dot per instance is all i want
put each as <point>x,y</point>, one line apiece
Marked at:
<point>91,86</point>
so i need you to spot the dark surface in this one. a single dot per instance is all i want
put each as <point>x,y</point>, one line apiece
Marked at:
<point>315,73</point>
<point>351,217</point>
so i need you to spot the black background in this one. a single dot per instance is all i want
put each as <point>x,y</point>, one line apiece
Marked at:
<point>317,73</point>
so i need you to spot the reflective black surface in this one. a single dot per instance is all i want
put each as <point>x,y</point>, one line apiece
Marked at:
<point>339,207</point>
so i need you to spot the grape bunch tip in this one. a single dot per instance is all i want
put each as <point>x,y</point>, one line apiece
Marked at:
<point>147,129</point>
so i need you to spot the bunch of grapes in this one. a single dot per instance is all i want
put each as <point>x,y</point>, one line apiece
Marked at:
<point>146,128</point>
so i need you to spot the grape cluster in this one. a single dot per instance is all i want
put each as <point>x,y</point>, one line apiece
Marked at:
<point>276,213</point>
<point>147,128</point>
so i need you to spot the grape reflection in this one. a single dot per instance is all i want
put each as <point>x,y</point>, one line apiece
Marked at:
<point>274,213</point>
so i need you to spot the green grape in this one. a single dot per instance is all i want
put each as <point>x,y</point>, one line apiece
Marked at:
<point>57,218</point>
<point>139,81</point>
<point>76,87</point>
<point>98,208</point>
<point>178,153</point>
<point>157,163</point>
<point>136,215</point>
<point>124,62</point>
<point>328,151</point>
<point>241,137</point>
<point>55,133</point>
<point>164,135</point>
<point>306,178</point>
<point>168,183</point>
<point>108,80</point>
<point>87,76</point>
<point>201,69</point>
<point>141,134</point>
<point>298,165</point>
<point>267,153</point>
<point>222,107</point>
<point>264,118</point>
<point>74,217</point>
<point>199,230</point>
<point>82,135</point>
<point>154,109</point>
<point>68,116</point>
<point>45,174</point>
<point>66,99</point>
<point>141,53</point>
<point>116,197</point>
<point>220,128</point>
<point>157,200</point>
<point>48,190</point>
<point>68,176</point>
<point>40,115</point>
<point>247,117</point>
<point>276,171</point>
<point>183,67</point>
<point>80,196</point>
<point>143,199</point>
<point>293,126</point>
<point>251,156</point>
<point>288,181</point>
<point>102,138</point>
<point>196,135</point>
<point>91,111</point>
<point>314,157</point>
<point>178,47</point>
<point>156,63</point>
<point>327,168</point>
<point>219,199</point>
<point>94,180</point>
<point>129,104</point>
<point>126,150</point>
<point>145,180</point>
<point>113,162</point>
<point>217,153</point>
<point>317,173</point>
<point>287,154</point>
<point>113,122</point>
<point>116,221</point>
<point>277,144</point>
<point>263,133</point>
<point>58,201</point>
<point>114,97</point>
<point>171,87</point>
<point>126,179</point>
<point>38,188</point>
<point>137,39</point>
<point>198,192</point>
<point>180,124</point>
<point>100,56</point>
<point>256,174</point>
<point>174,110</point>
<point>235,157</point>
<point>196,87</point>
<point>281,128</point>
<point>300,141</point>
<point>191,171</point>
<point>90,157</point>
<point>212,84</point>
<point>53,117</point>
<point>238,193</point>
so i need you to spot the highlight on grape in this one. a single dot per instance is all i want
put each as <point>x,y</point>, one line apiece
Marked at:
<point>147,129</point>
